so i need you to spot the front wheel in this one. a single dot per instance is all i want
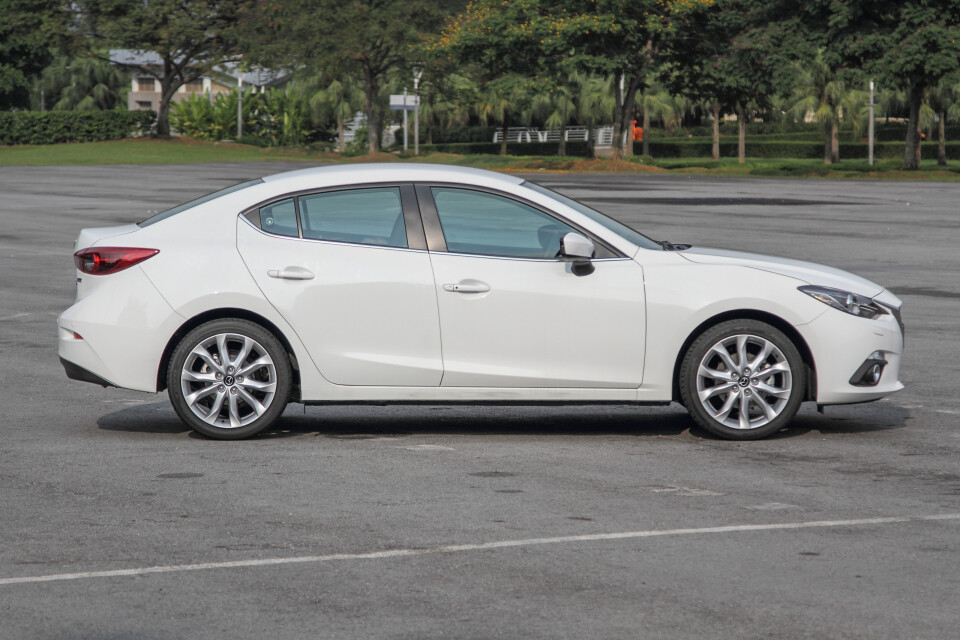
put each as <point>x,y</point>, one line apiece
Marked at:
<point>742,380</point>
<point>229,379</point>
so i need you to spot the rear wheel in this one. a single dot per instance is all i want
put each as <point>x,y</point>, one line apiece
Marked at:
<point>742,380</point>
<point>229,379</point>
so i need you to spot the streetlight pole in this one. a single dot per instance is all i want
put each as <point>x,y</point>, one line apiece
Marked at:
<point>404,119</point>
<point>239,104</point>
<point>870,129</point>
<point>417,74</point>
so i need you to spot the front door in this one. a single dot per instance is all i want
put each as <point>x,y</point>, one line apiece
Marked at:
<point>512,314</point>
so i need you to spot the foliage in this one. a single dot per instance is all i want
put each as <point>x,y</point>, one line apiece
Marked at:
<point>783,149</point>
<point>50,127</point>
<point>910,44</point>
<point>279,117</point>
<point>189,36</point>
<point>529,38</point>
<point>82,84</point>
<point>28,29</point>
<point>580,149</point>
<point>367,38</point>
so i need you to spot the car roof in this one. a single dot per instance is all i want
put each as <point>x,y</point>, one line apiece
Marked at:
<point>386,172</point>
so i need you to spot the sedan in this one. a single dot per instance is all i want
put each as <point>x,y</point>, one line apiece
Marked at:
<point>430,284</point>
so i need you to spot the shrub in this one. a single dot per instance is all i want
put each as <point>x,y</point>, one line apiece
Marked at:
<point>787,149</point>
<point>576,149</point>
<point>52,127</point>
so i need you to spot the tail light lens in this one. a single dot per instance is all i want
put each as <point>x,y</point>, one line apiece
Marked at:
<point>101,261</point>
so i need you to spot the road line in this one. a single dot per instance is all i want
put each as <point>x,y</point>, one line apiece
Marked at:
<point>457,548</point>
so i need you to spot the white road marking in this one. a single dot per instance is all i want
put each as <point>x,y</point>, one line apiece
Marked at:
<point>427,447</point>
<point>456,548</point>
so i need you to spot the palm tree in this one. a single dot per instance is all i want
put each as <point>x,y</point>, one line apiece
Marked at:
<point>937,103</point>
<point>558,106</point>
<point>499,101</point>
<point>83,84</point>
<point>822,93</point>
<point>445,102</point>
<point>341,98</point>
<point>654,100</point>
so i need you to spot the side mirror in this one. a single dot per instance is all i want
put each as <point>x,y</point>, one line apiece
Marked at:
<point>578,250</point>
<point>576,247</point>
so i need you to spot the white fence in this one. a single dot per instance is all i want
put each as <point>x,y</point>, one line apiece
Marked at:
<point>601,136</point>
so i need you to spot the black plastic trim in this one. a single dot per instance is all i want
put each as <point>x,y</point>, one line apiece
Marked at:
<point>76,372</point>
<point>858,379</point>
<point>431,219</point>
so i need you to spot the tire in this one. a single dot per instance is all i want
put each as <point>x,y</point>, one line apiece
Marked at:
<point>231,400</point>
<point>734,401</point>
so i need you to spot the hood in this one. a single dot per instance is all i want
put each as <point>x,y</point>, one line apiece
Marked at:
<point>94,236</point>
<point>808,272</point>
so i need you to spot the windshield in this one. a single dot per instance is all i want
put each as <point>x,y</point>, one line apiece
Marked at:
<point>618,228</point>
<point>163,215</point>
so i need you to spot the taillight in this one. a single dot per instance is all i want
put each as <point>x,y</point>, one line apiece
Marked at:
<point>100,261</point>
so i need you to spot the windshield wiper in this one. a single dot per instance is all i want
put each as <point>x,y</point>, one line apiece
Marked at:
<point>669,246</point>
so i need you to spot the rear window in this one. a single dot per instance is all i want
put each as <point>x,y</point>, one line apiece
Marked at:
<point>163,215</point>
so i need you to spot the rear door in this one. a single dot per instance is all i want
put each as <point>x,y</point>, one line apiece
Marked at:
<point>349,270</point>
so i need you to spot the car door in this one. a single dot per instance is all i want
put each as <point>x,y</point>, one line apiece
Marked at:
<point>512,313</point>
<point>348,269</point>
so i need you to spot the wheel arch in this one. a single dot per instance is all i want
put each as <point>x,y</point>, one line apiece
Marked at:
<point>221,314</point>
<point>751,314</point>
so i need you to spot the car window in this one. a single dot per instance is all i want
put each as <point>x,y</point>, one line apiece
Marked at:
<point>491,225</point>
<point>163,215</point>
<point>360,216</point>
<point>619,228</point>
<point>280,218</point>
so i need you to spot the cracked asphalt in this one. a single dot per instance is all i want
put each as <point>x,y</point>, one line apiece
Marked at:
<point>421,522</point>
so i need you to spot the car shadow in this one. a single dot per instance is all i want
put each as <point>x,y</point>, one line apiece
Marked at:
<point>379,421</point>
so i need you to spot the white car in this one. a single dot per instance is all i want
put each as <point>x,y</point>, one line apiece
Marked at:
<point>433,284</point>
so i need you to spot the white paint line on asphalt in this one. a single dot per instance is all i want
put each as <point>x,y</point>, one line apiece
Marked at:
<point>456,548</point>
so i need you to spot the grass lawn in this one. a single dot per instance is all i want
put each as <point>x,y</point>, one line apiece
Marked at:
<point>186,151</point>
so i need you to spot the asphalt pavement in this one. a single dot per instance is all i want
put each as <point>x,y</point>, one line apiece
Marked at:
<point>422,522</point>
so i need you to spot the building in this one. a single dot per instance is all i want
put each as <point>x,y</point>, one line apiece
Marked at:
<point>145,89</point>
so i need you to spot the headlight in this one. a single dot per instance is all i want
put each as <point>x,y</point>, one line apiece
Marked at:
<point>845,301</point>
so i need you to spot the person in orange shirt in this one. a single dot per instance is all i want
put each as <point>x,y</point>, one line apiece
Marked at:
<point>637,132</point>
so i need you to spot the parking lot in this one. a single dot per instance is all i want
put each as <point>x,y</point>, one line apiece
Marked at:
<point>486,522</point>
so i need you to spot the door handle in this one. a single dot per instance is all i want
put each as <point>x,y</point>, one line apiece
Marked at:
<point>291,273</point>
<point>467,287</point>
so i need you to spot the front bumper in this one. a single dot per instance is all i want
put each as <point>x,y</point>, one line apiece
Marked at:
<point>841,343</point>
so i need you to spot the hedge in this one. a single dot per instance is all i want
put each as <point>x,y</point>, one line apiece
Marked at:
<point>51,127</point>
<point>579,149</point>
<point>783,149</point>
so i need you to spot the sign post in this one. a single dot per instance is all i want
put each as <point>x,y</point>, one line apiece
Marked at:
<point>406,103</point>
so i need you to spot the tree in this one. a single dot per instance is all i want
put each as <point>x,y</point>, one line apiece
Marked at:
<point>728,55</point>
<point>28,31</point>
<point>82,84</point>
<point>189,37</point>
<point>823,93</point>
<point>342,99</point>
<point>939,101</point>
<point>911,44</point>
<point>547,40</point>
<point>369,39</point>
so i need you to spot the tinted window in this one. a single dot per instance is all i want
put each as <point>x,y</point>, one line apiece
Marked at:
<point>487,224</point>
<point>163,215</point>
<point>280,218</point>
<point>620,229</point>
<point>361,216</point>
